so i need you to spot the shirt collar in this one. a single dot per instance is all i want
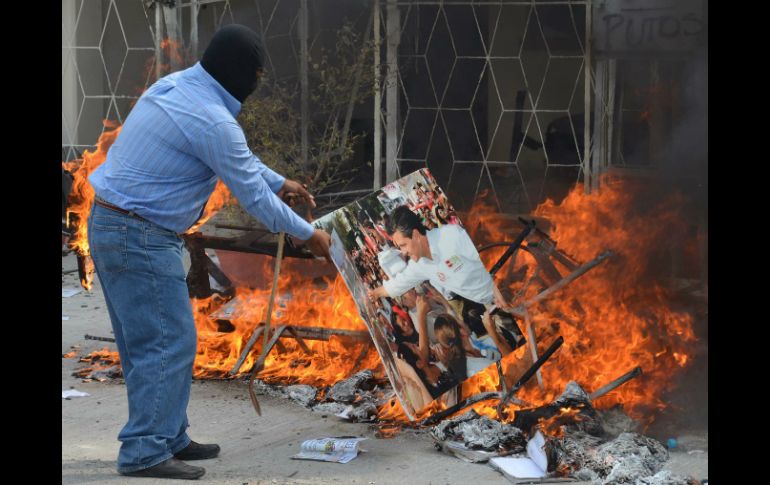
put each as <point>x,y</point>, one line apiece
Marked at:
<point>232,104</point>
<point>433,241</point>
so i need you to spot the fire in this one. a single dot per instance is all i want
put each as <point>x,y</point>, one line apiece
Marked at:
<point>218,199</point>
<point>553,426</point>
<point>615,317</point>
<point>299,302</point>
<point>485,381</point>
<point>172,54</point>
<point>318,305</point>
<point>82,196</point>
<point>387,431</point>
<point>681,359</point>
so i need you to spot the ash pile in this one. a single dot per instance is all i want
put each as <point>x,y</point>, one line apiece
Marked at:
<point>566,440</point>
<point>355,398</point>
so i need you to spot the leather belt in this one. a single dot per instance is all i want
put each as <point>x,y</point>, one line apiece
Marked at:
<point>115,208</point>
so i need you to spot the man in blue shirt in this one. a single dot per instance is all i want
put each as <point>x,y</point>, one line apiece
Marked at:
<point>179,138</point>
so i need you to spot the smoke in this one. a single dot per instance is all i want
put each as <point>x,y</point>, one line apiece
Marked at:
<point>686,156</point>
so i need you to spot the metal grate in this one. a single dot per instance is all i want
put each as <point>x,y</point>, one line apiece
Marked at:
<point>492,98</point>
<point>489,95</point>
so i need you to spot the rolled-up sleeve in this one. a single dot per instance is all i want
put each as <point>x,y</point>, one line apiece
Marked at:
<point>224,149</point>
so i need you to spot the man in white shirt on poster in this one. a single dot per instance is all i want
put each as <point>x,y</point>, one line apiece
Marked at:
<point>444,256</point>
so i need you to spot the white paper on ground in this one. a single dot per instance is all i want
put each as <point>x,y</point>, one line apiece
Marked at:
<point>536,452</point>
<point>535,466</point>
<point>73,393</point>
<point>68,292</point>
<point>466,454</point>
<point>65,317</point>
<point>338,450</point>
<point>517,467</point>
<point>345,413</point>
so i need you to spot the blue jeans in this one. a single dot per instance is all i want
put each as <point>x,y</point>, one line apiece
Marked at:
<point>139,265</point>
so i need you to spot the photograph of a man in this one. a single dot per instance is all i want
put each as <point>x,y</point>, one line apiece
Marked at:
<point>434,312</point>
<point>446,257</point>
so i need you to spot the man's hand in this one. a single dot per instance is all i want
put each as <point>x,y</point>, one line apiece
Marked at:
<point>437,297</point>
<point>292,189</point>
<point>432,293</point>
<point>423,307</point>
<point>318,244</point>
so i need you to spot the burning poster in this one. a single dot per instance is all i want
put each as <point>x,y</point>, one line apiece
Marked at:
<point>421,288</point>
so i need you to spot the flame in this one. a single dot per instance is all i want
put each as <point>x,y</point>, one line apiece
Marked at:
<point>484,381</point>
<point>99,360</point>
<point>299,302</point>
<point>615,317</point>
<point>82,196</point>
<point>681,359</point>
<point>218,199</point>
<point>174,53</point>
<point>554,426</point>
<point>327,304</point>
<point>386,431</point>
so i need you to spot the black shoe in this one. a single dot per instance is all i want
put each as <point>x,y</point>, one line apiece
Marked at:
<point>171,468</point>
<point>197,451</point>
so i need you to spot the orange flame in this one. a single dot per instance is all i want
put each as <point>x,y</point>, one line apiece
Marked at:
<point>218,199</point>
<point>82,194</point>
<point>554,426</point>
<point>615,317</point>
<point>298,302</point>
<point>172,54</point>
<point>315,305</point>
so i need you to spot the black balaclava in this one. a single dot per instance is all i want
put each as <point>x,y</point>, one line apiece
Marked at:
<point>233,57</point>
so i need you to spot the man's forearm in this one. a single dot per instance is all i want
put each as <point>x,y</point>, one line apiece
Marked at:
<point>424,343</point>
